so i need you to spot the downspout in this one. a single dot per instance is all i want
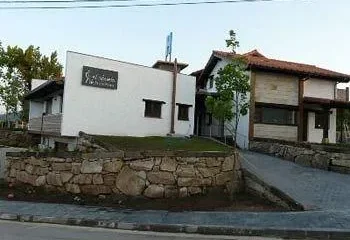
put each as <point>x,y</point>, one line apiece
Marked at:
<point>173,99</point>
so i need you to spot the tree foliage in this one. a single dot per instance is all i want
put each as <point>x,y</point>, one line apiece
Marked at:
<point>232,85</point>
<point>18,67</point>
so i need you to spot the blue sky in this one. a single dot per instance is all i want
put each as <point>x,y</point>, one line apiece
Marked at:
<point>314,31</point>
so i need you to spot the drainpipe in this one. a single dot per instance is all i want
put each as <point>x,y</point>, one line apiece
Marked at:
<point>173,99</point>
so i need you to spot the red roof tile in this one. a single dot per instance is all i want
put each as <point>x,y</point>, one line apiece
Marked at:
<point>256,59</point>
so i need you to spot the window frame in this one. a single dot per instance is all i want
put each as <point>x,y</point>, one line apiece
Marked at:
<point>211,81</point>
<point>48,106</point>
<point>157,103</point>
<point>187,107</point>
<point>259,108</point>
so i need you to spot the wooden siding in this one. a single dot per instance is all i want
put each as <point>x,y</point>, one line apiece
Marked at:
<point>281,132</point>
<point>276,88</point>
<point>50,124</point>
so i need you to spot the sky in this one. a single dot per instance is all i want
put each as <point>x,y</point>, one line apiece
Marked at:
<point>308,31</point>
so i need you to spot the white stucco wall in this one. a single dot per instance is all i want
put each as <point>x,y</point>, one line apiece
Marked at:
<point>316,134</point>
<point>319,88</point>
<point>121,111</point>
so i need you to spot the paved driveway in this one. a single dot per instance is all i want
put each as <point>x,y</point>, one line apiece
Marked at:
<point>313,188</point>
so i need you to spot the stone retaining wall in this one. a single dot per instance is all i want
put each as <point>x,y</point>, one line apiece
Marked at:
<point>152,175</point>
<point>306,155</point>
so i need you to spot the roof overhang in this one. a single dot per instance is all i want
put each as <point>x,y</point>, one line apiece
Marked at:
<point>45,90</point>
<point>327,103</point>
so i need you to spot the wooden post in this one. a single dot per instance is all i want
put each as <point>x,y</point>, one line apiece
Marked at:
<point>325,126</point>
<point>252,105</point>
<point>173,99</point>
<point>301,110</point>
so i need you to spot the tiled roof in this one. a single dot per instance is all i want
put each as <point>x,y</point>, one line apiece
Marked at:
<point>257,60</point>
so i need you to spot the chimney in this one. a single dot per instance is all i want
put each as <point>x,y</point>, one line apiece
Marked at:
<point>169,66</point>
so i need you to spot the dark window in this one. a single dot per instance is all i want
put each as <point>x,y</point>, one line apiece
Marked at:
<point>48,109</point>
<point>153,108</point>
<point>183,112</point>
<point>320,120</point>
<point>278,116</point>
<point>211,81</point>
<point>61,103</point>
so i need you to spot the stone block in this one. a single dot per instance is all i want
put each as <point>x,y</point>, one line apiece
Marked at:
<point>209,172</point>
<point>109,179</point>
<point>213,162</point>
<point>54,179</point>
<point>161,177</point>
<point>61,166</point>
<point>72,188</point>
<point>304,160</point>
<point>194,190</point>
<point>129,182</point>
<point>342,163</point>
<point>183,192</point>
<point>12,173</point>
<point>144,164</point>
<point>82,179</point>
<point>194,182</point>
<point>24,177</point>
<point>97,179</point>
<point>223,177</point>
<point>37,162</point>
<point>171,192</point>
<point>76,168</point>
<point>157,161</point>
<point>320,161</point>
<point>186,171</point>
<point>66,176</point>
<point>40,170</point>
<point>95,189</point>
<point>113,166</point>
<point>55,159</point>
<point>40,181</point>
<point>168,164</point>
<point>228,163</point>
<point>29,168</point>
<point>91,166</point>
<point>154,191</point>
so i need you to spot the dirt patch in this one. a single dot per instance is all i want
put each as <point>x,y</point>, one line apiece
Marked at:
<point>214,201</point>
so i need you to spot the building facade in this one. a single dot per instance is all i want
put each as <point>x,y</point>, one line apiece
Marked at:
<point>288,101</point>
<point>107,97</point>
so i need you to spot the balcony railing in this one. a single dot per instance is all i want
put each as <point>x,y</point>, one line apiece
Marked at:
<point>49,124</point>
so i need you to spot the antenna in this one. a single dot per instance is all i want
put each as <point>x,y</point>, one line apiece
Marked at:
<point>168,49</point>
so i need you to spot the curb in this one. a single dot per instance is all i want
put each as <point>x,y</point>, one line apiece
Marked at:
<point>183,228</point>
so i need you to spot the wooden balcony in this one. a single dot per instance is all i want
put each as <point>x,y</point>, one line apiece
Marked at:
<point>47,124</point>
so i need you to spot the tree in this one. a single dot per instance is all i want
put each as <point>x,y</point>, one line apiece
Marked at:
<point>25,65</point>
<point>232,85</point>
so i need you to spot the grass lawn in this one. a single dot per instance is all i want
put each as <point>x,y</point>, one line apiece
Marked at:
<point>159,143</point>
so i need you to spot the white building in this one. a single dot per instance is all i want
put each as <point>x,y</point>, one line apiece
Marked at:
<point>107,97</point>
<point>288,101</point>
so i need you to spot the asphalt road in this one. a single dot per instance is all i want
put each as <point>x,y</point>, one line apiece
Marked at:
<point>35,231</point>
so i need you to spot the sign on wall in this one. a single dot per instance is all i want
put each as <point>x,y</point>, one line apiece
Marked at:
<point>101,78</point>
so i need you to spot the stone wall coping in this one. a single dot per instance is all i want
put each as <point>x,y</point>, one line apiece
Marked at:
<point>314,146</point>
<point>129,155</point>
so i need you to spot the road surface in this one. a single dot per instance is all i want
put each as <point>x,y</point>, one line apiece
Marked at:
<point>37,231</point>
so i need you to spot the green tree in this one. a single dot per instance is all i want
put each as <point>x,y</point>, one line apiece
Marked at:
<point>232,85</point>
<point>25,65</point>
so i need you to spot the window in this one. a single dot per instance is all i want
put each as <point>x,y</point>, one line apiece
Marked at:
<point>61,103</point>
<point>320,120</point>
<point>153,108</point>
<point>278,116</point>
<point>48,109</point>
<point>211,81</point>
<point>183,112</point>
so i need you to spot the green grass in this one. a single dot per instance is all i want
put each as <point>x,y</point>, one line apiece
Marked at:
<point>113,143</point>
